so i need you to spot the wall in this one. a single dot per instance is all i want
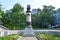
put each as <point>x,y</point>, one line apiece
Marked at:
<point>55,32</point>
<point>7,32</point>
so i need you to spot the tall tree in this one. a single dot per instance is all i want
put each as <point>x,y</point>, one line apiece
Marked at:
<point>1,11</point>
<point>47,14</point>
<point>15,17</point>
<point>45,18</point>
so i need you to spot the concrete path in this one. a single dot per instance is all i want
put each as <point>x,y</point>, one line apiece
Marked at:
<point>28,38</point>
<point>19,38</point>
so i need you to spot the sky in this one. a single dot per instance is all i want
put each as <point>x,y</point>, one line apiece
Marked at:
<point>8,4</point>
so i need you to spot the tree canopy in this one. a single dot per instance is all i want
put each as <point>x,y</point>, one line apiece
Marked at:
<point>15,17</point>
<point>45,18</point>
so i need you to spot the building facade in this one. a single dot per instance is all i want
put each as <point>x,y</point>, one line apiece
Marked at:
<point>34,11</point>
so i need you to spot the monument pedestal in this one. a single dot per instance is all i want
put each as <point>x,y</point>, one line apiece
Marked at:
<point>28,32</point>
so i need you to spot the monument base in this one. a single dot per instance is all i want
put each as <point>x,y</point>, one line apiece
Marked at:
<point>28,32</point>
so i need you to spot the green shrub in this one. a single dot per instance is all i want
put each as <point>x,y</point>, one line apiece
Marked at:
<point>47,37</point>
<point>9,37</point>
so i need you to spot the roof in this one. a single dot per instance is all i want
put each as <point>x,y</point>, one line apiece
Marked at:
<point>1,26</point>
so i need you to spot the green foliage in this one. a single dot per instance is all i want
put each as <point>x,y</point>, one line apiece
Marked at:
<point>17,8</point>
<point>47,37</point>
<point>43,18</point>
<point>14,18</point>
<point>1,11</point>
<point>10,37</point>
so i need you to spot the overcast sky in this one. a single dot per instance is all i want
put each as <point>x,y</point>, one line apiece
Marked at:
<point>8,4</point>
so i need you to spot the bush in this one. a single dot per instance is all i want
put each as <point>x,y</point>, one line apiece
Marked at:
<point>47,37</point>
<point>9,37</point>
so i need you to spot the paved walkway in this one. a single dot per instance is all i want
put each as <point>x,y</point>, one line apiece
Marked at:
<point>28,38</point>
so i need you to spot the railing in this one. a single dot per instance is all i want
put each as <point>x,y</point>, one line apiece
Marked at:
<point>8,32</point>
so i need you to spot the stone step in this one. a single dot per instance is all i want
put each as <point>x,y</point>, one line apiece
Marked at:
<point>28,38</point>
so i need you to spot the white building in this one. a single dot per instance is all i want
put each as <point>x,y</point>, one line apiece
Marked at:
<point>34,11</point>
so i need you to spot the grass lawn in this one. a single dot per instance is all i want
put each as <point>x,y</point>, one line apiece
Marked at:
<point>38,36</point>
<point>47,37</point>
<point>10,37</point>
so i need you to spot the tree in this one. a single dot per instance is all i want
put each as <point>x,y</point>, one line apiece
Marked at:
<point>47,14</point>
<point>1,12</point>
<point>15,17</point>
<point>45,18</point>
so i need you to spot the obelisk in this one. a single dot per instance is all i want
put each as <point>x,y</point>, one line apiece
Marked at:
<point>28,30</point>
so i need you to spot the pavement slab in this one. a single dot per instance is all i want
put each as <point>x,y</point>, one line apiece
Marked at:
<point>28,38</point>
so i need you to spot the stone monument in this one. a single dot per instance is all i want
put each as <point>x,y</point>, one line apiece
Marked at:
<point>28,33</point>
<point>28,30</point>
